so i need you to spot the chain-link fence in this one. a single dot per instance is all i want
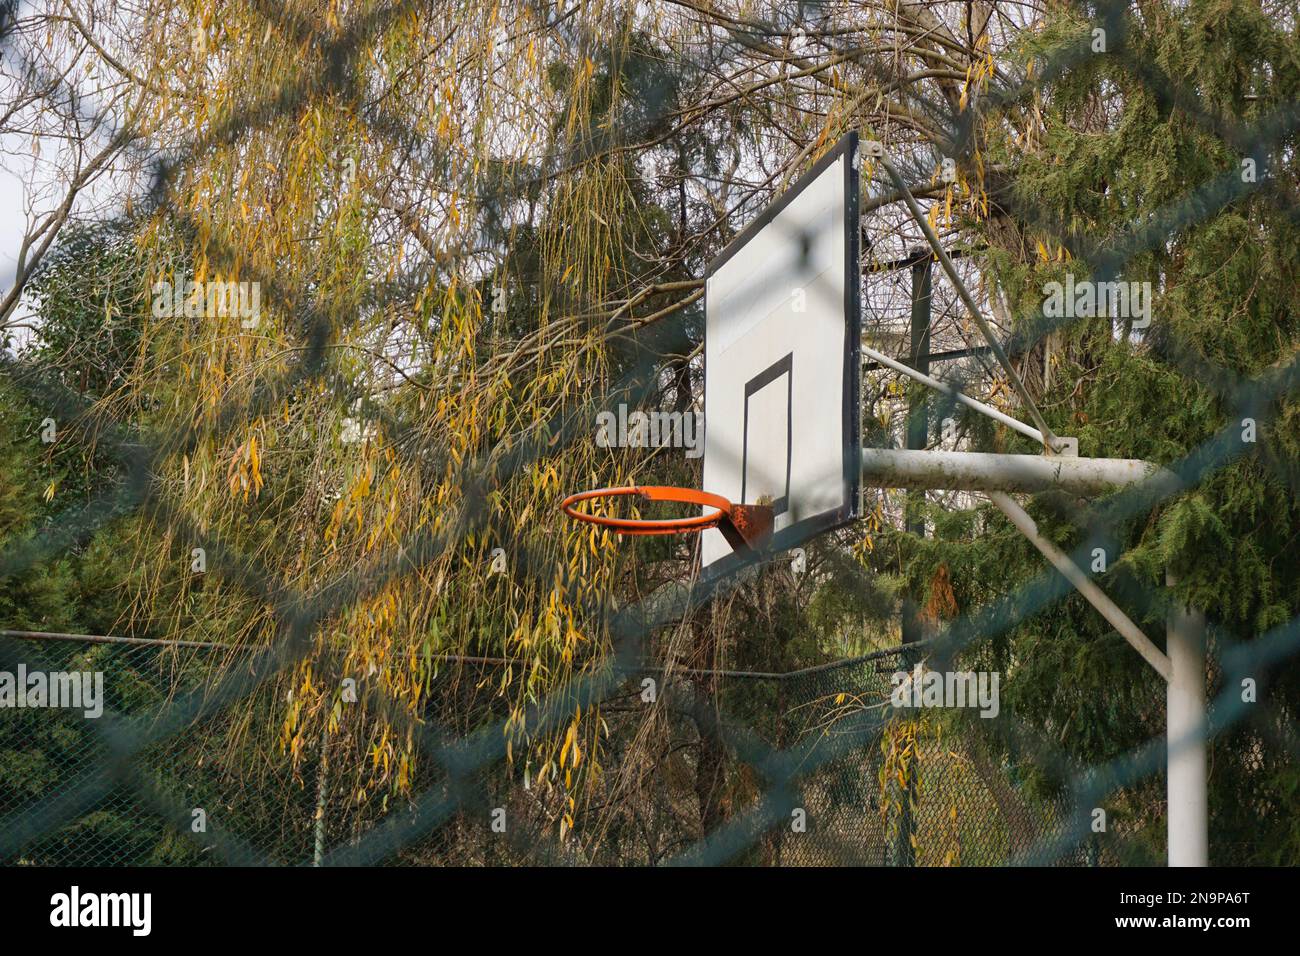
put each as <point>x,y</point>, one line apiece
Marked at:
<point>920,789</point>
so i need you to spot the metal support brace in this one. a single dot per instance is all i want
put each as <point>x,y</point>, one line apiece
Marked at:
<point>961,397</point>
<point>1183,668</point>
<point>1051,443</point>
<point>1085,585</point>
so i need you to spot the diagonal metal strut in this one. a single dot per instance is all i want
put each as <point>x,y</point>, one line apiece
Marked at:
<point>1050,441</point>
<point>1084,585</point>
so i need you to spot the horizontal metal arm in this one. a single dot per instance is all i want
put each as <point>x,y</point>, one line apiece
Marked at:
<point>981,471</point>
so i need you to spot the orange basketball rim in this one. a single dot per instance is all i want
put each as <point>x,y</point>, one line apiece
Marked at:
<point>745,527</point>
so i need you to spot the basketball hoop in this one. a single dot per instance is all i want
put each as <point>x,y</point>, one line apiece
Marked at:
<point>745,527</point>
<point>782,380</point>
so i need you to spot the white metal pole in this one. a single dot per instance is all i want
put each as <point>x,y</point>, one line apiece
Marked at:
<point>1186,730</point>
<point>982,471</point>
<point>945,389</point>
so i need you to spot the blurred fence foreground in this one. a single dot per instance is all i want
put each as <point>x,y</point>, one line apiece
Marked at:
<point>211,791</point>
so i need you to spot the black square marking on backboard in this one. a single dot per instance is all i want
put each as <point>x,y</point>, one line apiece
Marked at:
<point>782,366</point>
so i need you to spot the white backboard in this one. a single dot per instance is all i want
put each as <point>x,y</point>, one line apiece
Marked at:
<point>781,366</point>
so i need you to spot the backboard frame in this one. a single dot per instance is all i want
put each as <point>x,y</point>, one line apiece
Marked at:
<point>847,149</point>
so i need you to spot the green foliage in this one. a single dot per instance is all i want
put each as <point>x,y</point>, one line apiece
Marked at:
<point>1120,143</point>
<point>90,294</point>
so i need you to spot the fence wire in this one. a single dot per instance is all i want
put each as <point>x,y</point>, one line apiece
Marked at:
<point>953,805</point>
<point>930,789</point>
